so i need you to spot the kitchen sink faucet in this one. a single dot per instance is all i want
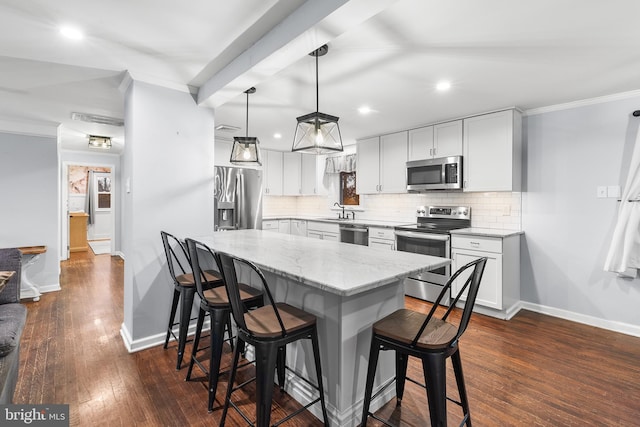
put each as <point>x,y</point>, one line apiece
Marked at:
<point>341,207</point>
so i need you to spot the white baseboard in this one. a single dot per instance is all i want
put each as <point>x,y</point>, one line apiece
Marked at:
<point>623,328</point>
<point>153,340</point>
<point>119,253</point>
<point>27,293</point>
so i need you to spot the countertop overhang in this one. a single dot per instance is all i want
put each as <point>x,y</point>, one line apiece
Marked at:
<point>340,268</point>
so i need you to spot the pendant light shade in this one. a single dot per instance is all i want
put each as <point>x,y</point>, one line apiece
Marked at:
<point>246,149</point>
<point>317,133</point>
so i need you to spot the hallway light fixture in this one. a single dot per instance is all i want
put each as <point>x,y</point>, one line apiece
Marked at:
<point>102,142</point>
<point>245,148</point>
<point>317,133</point>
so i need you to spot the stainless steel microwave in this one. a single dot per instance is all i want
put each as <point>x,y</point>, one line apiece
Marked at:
<point>444,173</point>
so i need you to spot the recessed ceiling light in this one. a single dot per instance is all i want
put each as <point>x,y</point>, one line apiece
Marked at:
<point>443,86</point>
<point>72,33</point>
<point>364,110</point>
<point>277,135</point>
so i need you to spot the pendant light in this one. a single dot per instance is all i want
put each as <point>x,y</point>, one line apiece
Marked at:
<point>317,133</point>
<point>245,148</point>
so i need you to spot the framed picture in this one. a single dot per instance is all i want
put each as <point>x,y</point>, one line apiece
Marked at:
<point>104,184</point>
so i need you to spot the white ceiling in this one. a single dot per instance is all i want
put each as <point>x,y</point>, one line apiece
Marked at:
<point>496,53</point>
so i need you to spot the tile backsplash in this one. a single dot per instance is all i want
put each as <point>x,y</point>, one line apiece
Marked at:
<point>500,210</point>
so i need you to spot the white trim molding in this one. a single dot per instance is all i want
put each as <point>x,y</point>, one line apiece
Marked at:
<point>612,325</point>
<point>583,103</point>
<point>144,343</point>
<point>29,127</point>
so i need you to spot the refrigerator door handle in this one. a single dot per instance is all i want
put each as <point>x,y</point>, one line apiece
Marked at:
<point>237,205</point>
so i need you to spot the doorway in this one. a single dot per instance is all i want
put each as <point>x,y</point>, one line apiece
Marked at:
<point>88,214</point>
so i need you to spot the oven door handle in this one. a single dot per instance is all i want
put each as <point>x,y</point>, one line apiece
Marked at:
<point>355,229</point>
<point>423,236</point>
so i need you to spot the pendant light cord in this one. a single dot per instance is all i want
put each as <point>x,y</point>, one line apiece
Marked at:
<point>246,127</point>
<point>317,91</point>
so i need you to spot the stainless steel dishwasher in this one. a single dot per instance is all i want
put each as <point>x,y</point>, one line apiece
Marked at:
<point>354,233</point>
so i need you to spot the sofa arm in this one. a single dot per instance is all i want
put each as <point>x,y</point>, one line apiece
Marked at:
<point>11,260</point>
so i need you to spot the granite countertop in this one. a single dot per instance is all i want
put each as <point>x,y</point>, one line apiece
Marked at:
<point>339,268</point>
<point>367,222</point>
<point>488,232</point>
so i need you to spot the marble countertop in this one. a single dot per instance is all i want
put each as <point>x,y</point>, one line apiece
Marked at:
<point>339,268</point>
<point>334,220</point>
<point>488,232</point>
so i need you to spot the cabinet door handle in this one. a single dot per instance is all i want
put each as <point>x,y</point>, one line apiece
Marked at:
<point>474,244</point>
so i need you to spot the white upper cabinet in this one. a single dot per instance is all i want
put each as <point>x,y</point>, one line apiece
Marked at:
<point>368,166</point>
<point>393,163</point>
<point>292,174</point>
<point>447,139</point>
<point>441,140</point>
<point>272,176</point>
<point>382,164</point>
<point>311,182</point>
<point>421,143</point>
<point>493,152</point>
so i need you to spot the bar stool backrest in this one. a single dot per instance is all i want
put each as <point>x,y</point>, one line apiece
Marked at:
<point>170,241</point>
<point>472,282</point>
<point>199,253</point>
<point>228,264</point>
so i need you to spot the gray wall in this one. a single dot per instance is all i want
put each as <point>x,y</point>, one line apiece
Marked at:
<point>30,199</point>
<point>567,154</point>
<point>168,161</point>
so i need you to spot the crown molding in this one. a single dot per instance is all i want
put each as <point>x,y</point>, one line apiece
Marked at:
<point>583,103</point>
<point>29,127</point>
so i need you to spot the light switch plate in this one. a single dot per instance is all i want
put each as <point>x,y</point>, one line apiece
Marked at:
<point>602,192</point>
<point>613,191</point>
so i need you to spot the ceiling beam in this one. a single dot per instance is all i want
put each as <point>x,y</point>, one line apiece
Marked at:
<point>307,28</point>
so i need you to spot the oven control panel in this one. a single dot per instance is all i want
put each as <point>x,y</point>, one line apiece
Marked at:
<point>458,212</point>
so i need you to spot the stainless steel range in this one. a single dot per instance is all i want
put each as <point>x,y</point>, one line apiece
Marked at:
<point>430,236</point>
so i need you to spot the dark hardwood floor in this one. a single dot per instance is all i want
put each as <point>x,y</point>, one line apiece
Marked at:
<point>533,370</point>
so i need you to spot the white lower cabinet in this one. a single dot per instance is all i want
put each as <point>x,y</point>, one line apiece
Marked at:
<point>271,224</point>
<point>323,231</point>
<point>499,292</point>
<point>280,226</point>
<point>383,238</point>
<point>299,227</point>
<point>284,226</point>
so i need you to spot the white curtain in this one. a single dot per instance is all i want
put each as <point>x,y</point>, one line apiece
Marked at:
<point>339,164</point>
<point>624,253</point>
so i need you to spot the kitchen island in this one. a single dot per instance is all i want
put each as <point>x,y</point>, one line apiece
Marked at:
<point>348,287</point>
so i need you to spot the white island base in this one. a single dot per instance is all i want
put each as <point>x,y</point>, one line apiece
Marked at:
<point>344,329</point>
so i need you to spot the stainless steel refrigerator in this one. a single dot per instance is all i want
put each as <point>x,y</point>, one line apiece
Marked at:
<point>237,198</point>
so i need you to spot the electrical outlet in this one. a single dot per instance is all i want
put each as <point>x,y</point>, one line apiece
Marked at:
<point>602,192</point>
<point>613,191</point>
<point>506,210</point>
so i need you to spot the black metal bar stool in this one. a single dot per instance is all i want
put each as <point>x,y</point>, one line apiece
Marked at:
<point>215,302</point>
<point>432,340</point>
<point>183,291</point>
<point>268,329</point>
